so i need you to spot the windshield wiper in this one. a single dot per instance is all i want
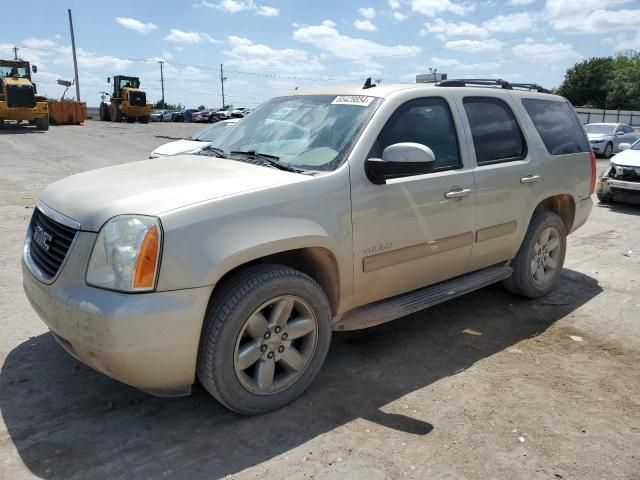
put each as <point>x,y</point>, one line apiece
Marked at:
<point>269,159</point>
<point>217,152</point>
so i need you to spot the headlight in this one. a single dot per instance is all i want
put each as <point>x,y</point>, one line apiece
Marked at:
<point>126,254</point>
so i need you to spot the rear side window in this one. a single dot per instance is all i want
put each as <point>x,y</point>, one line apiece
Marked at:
<point>496,134</point>
<point>558,126</point>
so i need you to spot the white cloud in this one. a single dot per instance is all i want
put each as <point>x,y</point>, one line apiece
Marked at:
<point>365,25</point>
<point>134,24</point>
<point>267,11</point>
<point>516,22</point>
<point>369,12</point>
<point>244,52</point>
<point>181,36</point>
<point>452,63</point>
<point>590,15</point>
<point>454,29</point>
<point>521,2</point>
<point>359,50</point>
<point>474,46</point>
<point>167,55</point>
<point>433,7</point>
<point>545,52</point>
<point>394,4</point>
<point>400,17</point>
<point>236,6</point>
<point>33,42</point>
<point>86,59</point>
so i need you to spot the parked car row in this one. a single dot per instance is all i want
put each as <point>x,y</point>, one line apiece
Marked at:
<point>210,115</point>
<point>606,138</point>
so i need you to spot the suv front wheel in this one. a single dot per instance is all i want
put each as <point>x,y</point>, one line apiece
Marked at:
<point>538,263</point>
<point>266,335</point>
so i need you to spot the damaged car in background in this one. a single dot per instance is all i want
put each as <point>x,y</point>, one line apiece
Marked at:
<point>621,180</point>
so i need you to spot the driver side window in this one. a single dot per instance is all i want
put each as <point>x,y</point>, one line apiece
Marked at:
<point>426,121</point>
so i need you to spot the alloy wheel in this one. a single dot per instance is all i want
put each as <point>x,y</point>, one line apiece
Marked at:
<point>546,255</point>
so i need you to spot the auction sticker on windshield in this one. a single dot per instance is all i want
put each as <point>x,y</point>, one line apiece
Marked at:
<point>361,100</point>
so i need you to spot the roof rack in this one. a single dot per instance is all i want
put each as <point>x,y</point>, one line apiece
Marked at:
<point>490,82</point>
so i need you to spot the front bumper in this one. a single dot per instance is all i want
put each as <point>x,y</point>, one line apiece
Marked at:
<point>598,147</point>
<point>41,110</point>
<point>149,341</point>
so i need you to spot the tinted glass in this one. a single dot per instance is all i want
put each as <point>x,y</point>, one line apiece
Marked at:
<point>558,126</point>
<point>496,134</point>
<point>627,129</point>
<point>426,121</point>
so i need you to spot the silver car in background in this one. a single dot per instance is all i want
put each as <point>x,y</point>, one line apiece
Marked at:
<point>605,138</point>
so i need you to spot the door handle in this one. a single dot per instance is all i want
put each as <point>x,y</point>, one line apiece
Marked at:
<point>459,193</point>
<point>530,179</point>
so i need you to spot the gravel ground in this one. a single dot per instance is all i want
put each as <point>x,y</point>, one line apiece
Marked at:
<point>487,386</point>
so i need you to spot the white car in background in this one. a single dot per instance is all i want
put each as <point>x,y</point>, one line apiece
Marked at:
<point>621,180</point>
<point>196,142</point>
<point>605,138</point>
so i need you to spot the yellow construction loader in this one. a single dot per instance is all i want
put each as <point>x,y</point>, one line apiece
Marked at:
<point>127,102</point>
<point>19,100</point>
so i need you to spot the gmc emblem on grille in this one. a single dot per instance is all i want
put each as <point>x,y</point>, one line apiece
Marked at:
<point>42,238</point>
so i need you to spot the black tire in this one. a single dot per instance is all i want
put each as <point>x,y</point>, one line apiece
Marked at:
<point>115,113</point>
<point>42,123</point>
<point>143,119</point>
<point>608,150</point>
<point>131,119</point>
<point>1,123</point>
<point>230,308</point>
<point>522,281</point>
<point>104,114</point>
<point>604,197</point>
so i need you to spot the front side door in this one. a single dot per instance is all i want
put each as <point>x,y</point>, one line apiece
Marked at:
<point>507,177</point>
<point>418,230</point>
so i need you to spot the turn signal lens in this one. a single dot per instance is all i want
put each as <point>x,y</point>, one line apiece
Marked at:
<point>147,260</point>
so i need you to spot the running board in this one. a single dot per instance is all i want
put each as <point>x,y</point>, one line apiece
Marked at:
<point>408,303</point>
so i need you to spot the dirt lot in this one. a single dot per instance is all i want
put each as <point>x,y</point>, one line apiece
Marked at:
<point>486,386</point>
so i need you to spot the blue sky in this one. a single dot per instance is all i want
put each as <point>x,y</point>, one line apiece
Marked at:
<point>271,46</point>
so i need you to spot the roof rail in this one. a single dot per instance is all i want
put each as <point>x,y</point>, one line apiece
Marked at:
<point>490,82</point>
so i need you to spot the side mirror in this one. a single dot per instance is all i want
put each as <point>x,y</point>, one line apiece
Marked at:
<point>34,68</point>
<point>400,160</point>
<point>108,79</point>
<point>619,134</point>
<point>624,146</point>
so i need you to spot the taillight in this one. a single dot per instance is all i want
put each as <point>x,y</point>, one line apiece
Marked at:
<point>593,173</point>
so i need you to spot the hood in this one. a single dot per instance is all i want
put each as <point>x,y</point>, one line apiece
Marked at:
<point>598,136</point>
<point>152,187</point>
<point>180,146</point>
<point>628,158</point>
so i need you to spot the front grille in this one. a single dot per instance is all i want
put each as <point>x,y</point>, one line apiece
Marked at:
<point>21,96</point>
<point>137,99</point>
<point>50,242</point>
<point>628,174</point>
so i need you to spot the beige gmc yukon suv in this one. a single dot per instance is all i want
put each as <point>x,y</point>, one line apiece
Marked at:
<point>324,210</point>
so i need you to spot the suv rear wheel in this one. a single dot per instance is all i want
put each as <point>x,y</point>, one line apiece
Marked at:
<point>538,263</point>
<point>265,337</point>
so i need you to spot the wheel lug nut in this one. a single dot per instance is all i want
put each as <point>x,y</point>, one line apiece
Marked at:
<point>267,335</point>
<point>280,349</point>
<point>284,336</point>
<point>278,329</point>
<point>270,355</point>
<point>263,348</point>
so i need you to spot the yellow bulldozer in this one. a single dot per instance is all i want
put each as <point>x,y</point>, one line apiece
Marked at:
<point>128,102</point>
<point>19,100</point>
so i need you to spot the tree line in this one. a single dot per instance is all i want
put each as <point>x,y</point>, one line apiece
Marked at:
<point>604,82</point>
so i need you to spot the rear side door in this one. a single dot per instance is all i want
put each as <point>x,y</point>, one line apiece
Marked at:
<point>506,171</point>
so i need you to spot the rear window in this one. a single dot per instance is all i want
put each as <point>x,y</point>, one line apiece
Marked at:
<point>496,134</point>
<point>558,126</point>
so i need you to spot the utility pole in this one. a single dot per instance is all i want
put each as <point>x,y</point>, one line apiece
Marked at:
<point>222,80</point>
<point>15,53</point>
<point>161,62</point>
<point>75,61</point>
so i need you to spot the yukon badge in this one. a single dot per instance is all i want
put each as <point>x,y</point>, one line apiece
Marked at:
<point>42,238</point>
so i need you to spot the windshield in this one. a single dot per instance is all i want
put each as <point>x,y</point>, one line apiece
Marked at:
<point>312,132</point>
<point>635,146</point>
<point>211,133</point>
<point>11,71</point>
<point>129,83</point>
<point>599,128</point>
